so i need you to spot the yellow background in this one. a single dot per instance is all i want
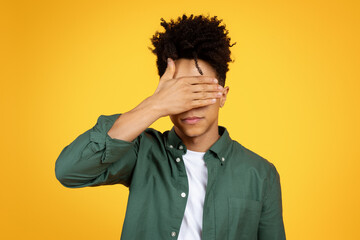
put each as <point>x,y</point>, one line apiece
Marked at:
<point>294,99</point>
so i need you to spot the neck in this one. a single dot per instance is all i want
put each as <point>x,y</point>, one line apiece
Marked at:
<point>200,143</point>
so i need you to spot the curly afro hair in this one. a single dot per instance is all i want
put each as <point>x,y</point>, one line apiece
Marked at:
<point>195,38</point>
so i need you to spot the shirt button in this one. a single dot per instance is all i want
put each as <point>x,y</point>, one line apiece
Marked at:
<point>181,147</point>
<point>177,159</point>
<point>173,234</point>
<point>183,194</point>
<point>171,146</point>
<point>223,159</point>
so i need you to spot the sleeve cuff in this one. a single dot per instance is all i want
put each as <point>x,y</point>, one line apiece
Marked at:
<point>114,148</point>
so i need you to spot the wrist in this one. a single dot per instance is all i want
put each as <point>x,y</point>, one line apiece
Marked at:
<point>151,105</point>
<point>156,106</point>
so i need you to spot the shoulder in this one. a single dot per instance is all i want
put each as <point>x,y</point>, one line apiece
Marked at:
<point>245,158</point>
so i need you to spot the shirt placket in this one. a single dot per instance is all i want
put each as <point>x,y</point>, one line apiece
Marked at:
<point>208,228</point>
<point>181,188</point>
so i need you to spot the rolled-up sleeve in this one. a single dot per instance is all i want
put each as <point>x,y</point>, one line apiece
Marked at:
<point>271,225</point>
<point>94,158</point>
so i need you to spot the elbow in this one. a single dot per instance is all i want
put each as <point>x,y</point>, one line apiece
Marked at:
<point>62,169</point>
<point>65,179</point>
<point>61,175</point>
<point>68,178</point>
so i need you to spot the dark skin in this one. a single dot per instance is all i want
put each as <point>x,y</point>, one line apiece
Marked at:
<point>201,135</point>
<point>198,136</point>
<point>182,92</point>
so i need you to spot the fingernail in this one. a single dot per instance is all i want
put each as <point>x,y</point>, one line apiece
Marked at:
<point>215,80</point>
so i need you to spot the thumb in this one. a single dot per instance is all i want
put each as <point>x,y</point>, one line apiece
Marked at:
<point>170,70</point>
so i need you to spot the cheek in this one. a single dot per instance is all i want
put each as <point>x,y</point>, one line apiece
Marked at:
<point>172,118</point>
<point>213,110</point>
<point>175,119</point>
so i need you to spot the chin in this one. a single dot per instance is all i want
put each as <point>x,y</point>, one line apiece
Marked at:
<point>191,131</point>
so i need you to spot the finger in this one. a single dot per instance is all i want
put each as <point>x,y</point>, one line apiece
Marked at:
<point>169,71</point>
<point>202,102</point>
<point>206,95</point>
<point>201,79</point>
<point>206,88</point>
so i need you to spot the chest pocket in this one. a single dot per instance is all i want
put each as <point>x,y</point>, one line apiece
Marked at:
<point>244,216</point>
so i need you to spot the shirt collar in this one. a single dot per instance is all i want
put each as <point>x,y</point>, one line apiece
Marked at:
<point>220,148</point>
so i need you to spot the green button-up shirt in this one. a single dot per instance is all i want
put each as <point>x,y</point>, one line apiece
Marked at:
<point>243,194</point>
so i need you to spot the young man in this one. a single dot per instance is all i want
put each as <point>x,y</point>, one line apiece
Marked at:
<point>194,181</point>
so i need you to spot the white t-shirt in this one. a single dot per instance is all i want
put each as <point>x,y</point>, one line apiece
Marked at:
<point>191,225</point>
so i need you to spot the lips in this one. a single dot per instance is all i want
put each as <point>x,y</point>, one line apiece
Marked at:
<point>191,120</point>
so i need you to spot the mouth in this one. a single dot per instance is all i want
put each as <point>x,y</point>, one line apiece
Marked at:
<point>191,120</point>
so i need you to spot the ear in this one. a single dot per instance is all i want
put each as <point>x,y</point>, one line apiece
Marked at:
<point>224,95</point>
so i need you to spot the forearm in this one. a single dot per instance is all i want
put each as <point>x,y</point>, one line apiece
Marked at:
<point>94,158</point>
<point>131,124</point>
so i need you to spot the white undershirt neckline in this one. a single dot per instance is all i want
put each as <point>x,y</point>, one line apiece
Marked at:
<point>196,170</point>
